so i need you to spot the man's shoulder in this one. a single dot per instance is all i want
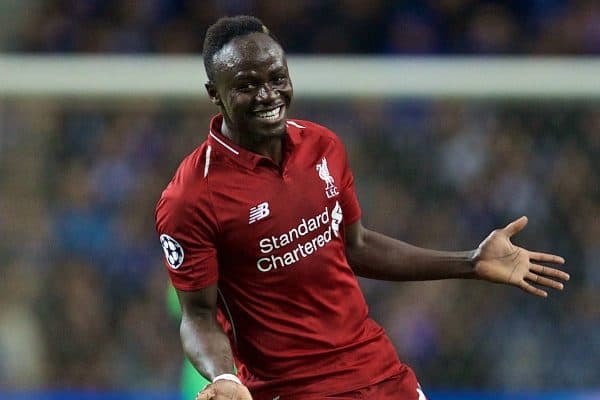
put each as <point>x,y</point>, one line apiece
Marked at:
<point>185,197</point>
<point>312,129</point>
<point>189,181</point>
<point>315,133</point>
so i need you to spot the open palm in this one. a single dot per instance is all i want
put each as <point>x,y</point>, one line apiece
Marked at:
<point>499,260</point>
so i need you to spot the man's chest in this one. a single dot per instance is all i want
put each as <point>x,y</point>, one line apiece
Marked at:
<point>272,218</point>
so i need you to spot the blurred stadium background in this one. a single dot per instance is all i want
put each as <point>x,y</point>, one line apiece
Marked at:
<point>82,287</point>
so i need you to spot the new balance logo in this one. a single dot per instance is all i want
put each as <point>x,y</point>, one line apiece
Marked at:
<point>259,212</point>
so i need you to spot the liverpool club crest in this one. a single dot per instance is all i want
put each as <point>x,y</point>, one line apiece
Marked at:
<point>330,189</point>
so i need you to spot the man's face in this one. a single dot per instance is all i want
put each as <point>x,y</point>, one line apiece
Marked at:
<point>252,86</point>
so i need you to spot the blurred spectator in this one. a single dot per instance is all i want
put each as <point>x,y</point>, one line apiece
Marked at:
<point>308,26</point>
<point>23,361</point>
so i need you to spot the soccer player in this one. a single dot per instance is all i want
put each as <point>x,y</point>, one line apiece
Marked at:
<point>263,240</point>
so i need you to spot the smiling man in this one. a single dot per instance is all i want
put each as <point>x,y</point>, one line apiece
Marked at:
<point>263,240</point>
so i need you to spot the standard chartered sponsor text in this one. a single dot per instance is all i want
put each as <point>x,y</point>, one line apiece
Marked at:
<point>269,244</point>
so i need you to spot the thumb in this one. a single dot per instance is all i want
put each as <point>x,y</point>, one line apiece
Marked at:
<point>516,226</point>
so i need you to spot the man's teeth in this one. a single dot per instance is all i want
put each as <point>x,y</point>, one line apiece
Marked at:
<point>272,114</point>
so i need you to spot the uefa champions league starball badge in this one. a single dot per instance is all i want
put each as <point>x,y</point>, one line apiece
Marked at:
<point>173,251</point>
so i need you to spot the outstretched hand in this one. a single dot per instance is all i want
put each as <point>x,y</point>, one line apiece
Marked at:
<point>499,260</point>
<point>224,390</point>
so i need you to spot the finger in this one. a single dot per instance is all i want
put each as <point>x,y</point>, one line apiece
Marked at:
<point>548,271</point>
<point>545,257</point>
<point>533,290</point>
<point>516,226</point>
<point>540,280</point>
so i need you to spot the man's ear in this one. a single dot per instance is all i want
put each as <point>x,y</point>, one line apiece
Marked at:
<point>212,93</point>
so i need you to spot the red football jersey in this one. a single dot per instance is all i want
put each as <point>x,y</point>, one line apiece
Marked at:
<point>273,238</point>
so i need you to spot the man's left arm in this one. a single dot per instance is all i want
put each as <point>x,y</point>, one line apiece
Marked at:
<point>497,259</point>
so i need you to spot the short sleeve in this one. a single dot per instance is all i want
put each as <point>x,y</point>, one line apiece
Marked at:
<point>349,201</point>
<point>187,232</point>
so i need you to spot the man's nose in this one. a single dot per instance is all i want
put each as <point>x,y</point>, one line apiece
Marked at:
<point>266,91</point>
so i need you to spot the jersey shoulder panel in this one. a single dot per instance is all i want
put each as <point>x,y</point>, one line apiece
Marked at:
<point>318,135</point>
<point>189,184</point>
<point>312,128</point>
<point>186,198</point>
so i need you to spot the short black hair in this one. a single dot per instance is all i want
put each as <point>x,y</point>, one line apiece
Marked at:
<point>223,31</point>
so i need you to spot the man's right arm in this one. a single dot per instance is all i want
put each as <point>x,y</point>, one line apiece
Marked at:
<point>203,340</point>
<point>206,345</point>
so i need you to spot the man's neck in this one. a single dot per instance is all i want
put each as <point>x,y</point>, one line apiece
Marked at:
<point>271,147</point>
